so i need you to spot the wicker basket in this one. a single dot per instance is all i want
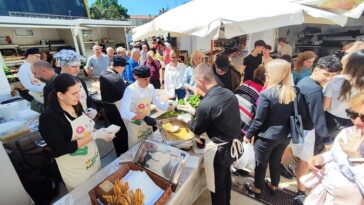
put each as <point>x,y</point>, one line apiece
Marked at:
<point>96,192</point>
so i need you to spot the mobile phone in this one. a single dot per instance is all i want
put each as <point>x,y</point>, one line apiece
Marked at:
<point>359,160</point>
<point>113,128</point>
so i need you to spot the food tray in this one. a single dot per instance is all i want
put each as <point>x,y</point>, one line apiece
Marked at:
<point>170,138</point>
<point>96,193</point>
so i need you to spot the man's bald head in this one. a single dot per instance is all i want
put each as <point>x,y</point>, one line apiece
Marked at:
<point>205,73</point>
<point>43,70</point>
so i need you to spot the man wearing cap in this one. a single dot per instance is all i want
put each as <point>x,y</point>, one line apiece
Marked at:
<point>135,106</point>
<point>112,89</point>
<point>97,62</point>
<point>315,124</point>
<point>26,76</point>
<point>253,60</point>
<point>225,74</point>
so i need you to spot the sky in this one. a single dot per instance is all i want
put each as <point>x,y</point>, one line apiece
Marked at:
<point>146,7</point>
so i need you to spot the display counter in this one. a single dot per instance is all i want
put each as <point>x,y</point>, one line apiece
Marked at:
<point>191,183</point>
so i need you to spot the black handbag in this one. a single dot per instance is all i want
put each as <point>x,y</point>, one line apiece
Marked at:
<point>295,121</point>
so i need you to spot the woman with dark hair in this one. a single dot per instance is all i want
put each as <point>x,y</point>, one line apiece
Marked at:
<point>303,65</point>
<point>247,95</point>
<point>70,133</point>
<point>340,89</point>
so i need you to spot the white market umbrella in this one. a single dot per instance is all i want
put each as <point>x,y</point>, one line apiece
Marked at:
<point>230,18</point>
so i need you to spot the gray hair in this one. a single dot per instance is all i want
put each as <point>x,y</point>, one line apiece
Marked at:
<point>120,49</point>
<point>134,51</point>
<point>205,72</point>
<point>109,48</point>
<point>42,64</point>
<point>96,46</point>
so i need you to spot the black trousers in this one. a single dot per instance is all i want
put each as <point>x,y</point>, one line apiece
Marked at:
<point>268,152</point>
<point>121,138</point>
<point>222,162</point>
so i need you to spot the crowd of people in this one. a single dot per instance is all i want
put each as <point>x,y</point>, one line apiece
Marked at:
<point>264,91</point>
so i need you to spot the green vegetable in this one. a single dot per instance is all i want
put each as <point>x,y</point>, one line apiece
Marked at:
<point>181,102</point>
<point>194,100</point>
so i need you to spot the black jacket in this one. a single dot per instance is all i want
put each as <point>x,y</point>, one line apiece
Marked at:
<point>271,119</point>
<point>56,129</point>
<point>112,87</point>
<point>218,115</point>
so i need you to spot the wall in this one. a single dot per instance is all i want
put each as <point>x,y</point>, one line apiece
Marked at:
<point>66,35</point>
<point>39,34</point>
<point>118,35</point>
<point>191,43</point>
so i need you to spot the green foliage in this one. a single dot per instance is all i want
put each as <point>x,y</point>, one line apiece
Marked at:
<point>194,100</point>
<point>108,9</point>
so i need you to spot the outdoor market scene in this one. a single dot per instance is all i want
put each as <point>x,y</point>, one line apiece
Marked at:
<point>182,102</point>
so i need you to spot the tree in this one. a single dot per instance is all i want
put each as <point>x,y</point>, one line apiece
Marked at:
<point>108,9</point>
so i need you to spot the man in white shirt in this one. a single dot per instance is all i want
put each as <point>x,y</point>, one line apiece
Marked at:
<point>97,62</point>
<point>135,106</point>
<point>26,76</point>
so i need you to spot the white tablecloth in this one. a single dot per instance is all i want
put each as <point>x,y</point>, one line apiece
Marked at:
<point>191,184</point>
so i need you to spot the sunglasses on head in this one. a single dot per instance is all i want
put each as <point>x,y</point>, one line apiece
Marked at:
<point>353,115</point>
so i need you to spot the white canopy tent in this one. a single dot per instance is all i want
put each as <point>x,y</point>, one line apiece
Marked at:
<point>230,18</point>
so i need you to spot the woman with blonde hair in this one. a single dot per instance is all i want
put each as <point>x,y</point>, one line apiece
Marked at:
<point>303,65</point>
<point>197,57</point>
<point>271,125</point>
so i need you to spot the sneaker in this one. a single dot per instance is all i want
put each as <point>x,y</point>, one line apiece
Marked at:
<point>299,199</point>
<point>285,173</point>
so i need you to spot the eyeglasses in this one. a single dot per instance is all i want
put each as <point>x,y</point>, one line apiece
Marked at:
<point>353,115</point>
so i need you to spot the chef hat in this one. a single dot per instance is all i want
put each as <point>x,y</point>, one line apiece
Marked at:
<point>141,71</point>
<point>119,61</point>
<point>68,58</point>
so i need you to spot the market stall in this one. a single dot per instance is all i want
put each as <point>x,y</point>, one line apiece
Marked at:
<point>190,184</point>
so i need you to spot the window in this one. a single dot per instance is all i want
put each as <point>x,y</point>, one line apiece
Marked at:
<point>23,32</point>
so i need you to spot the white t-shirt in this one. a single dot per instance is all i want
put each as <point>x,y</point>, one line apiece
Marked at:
<point>173,78</point>
<point>333,90</point>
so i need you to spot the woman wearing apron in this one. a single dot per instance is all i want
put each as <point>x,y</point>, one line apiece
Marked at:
<point>135,106</point>
<point>70,133</point>
<point>70,62</point>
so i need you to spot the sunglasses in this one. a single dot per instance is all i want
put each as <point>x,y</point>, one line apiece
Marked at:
<point>353,115</point>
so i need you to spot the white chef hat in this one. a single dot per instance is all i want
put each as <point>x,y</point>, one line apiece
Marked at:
<point>68,58</point>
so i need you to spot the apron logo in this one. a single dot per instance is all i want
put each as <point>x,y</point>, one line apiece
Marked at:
<point>80,129</point>
<point>80,152</point>
<point>141,106</point>
<point>91,162</point>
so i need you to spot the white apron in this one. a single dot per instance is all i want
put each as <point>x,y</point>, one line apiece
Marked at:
<point>78,166</point>
<point>209,156</point>
<point>37,96</point>
<point>83,97</point>
<point>138,129</point>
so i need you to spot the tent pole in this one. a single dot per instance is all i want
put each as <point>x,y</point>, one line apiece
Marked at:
<point>211,51</point>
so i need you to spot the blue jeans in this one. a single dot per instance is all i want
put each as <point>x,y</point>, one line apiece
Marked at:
<point>180,93</point>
